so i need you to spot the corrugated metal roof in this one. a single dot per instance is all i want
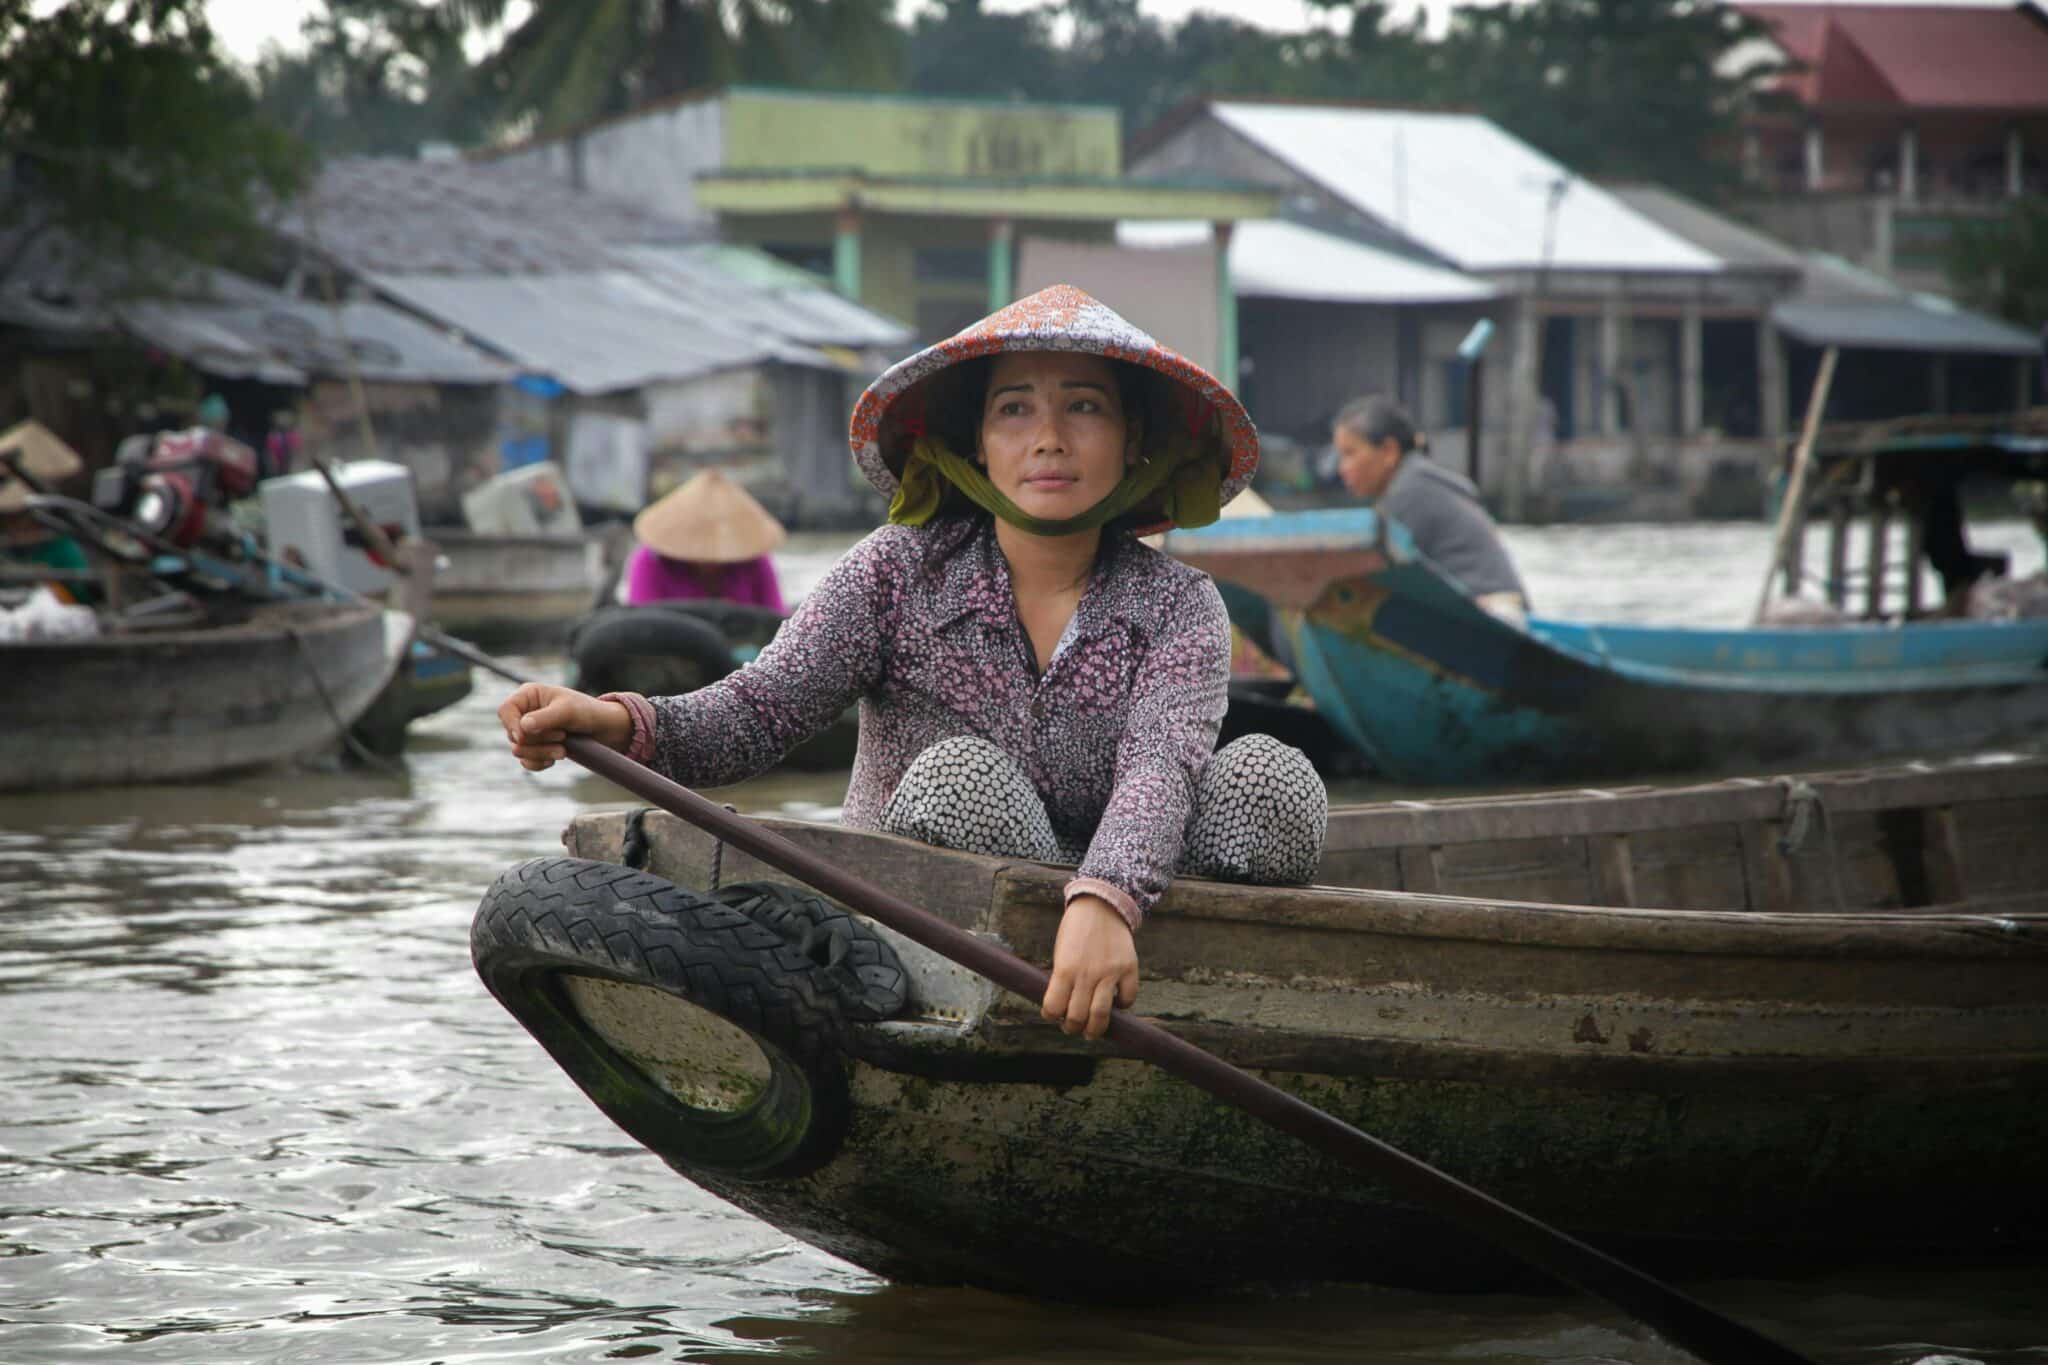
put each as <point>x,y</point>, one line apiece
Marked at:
<point>1913,323</point>
<point>750,287</point>
<point>233,326</point>
<point>391,216</point>
<point>1462,187</point>
<point>188,332</point>
<point>1276,259</point>
<point>385,344</point>
<point>1736,244</point>
<point>594,331</point>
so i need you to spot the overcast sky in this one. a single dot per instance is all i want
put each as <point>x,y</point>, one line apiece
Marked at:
<point>245,26</point>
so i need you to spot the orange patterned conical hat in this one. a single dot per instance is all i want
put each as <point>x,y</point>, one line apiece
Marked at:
<point>891,415</point>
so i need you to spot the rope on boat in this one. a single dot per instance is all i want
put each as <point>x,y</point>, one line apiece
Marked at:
<point>718,855</point>
<point>341,727</point>
<point>634,848</point>
<point>1803,807</point>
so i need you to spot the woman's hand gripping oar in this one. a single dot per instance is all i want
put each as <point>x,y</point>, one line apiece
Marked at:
<point>1712,1337</point>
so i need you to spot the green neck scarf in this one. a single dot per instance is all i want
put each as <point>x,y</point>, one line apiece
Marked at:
<point>1191,480</point>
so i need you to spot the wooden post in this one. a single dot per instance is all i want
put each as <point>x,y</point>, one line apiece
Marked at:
<point>1873,591</point>
<point>846,265</point>
<point>1002,263</point>
<point>1226,308</point>
<point>1792,511</point>
<point>1838,552</point>
<point>1795,559</point>
<point>1916,551</point>
<point>1475,400</point>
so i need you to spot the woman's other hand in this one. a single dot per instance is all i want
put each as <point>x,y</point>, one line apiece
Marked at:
<point>540,716</point>
<point>1094,965</point>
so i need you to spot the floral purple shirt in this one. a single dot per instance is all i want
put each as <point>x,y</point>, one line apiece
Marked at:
<point>920,626</point>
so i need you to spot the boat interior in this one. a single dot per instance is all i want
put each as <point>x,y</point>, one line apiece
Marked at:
<point>1911,837</point>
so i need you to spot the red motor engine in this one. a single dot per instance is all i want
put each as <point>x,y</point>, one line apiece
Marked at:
<point>179,488</point>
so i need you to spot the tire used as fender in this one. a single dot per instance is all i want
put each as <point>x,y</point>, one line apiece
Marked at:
<point>549,918</point>
<point>647,649</point>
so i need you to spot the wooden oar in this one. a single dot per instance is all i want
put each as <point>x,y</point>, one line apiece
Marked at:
<point>1712,1337</point>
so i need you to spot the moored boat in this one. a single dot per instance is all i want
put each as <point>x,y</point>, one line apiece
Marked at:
<point>1432,689</point>
<point>1795,1020</point>
<point>514,591</point>
<point>283,679</point>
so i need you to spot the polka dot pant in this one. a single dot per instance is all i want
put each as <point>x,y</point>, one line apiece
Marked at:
<point>1260,810</point>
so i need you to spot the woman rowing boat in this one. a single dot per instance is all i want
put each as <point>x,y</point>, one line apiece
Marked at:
<point>1033,682</point>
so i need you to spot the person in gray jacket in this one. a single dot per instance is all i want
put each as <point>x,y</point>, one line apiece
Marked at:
<point>1380,459</point>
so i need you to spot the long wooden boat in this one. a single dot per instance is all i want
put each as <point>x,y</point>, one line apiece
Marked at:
<point>178,704</point>
<point>1729,1026</point>
<point>1434,690</point>
<point>514,591</point>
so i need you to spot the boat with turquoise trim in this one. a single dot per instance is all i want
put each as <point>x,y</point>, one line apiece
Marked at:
<point>1434,689</point>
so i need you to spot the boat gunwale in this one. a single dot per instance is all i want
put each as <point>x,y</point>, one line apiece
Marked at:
<point>273,620</point>
<point>1648,809</point>
<point>1934,932</point>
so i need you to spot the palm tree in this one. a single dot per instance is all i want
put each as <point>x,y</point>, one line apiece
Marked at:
<point>569,61</point>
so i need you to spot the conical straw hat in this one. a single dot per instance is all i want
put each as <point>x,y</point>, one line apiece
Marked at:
<point>893,412</point>
<point>710,520</point>
<point>41,452</point>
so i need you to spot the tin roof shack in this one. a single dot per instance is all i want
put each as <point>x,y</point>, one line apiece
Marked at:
<point>105,354</point>
<point>1596,397</point>
<point>1324,316</point>
<point>928,209</point>
<point>1894,124</point>
<point>647,351</point>
<point>1904,352</point>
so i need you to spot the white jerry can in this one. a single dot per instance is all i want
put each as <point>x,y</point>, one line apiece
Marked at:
<point>532,500</point>
<point>306,526</point>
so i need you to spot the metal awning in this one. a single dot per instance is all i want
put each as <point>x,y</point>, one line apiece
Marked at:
<point>1281,260</point>
<point>1910,323</point>
<point>594,331</point>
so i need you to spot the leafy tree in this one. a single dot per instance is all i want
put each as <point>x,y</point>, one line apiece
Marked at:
<point>376,77</point>
<point>1615,89</point>
<point>2001,264</point>
<point>126,127</point>
<point>959,48</point>
<point>573,60</point>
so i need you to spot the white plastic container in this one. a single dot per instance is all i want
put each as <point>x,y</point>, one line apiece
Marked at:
<point>306,526</point>
<point>532,500</point>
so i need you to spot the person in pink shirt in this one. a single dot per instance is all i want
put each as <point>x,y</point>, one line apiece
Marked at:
<point>706,539</point>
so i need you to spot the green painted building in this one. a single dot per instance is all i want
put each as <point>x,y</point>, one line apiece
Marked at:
<point>912,206</point>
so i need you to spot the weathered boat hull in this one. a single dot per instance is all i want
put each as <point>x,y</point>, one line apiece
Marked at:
<point>184,704</point>
<point>1701,1088</point>
<point>511,591</point>
<point>427,680</point>
<point>1432,689</point>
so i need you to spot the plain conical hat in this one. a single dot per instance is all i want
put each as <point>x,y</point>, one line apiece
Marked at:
<point>41,452</point>
<point>711,520</point>
<point>895,409</point>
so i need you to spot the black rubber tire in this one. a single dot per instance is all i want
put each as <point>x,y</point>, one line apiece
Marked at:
<point>548,918</point>
<point>649,649</point>
<point>741,623</point>
<point>857,963</point>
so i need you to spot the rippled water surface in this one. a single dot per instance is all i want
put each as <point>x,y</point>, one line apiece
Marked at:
<point>255,1105</point>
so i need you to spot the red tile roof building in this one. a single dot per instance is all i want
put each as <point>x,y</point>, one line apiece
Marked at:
<point>1915,101</point>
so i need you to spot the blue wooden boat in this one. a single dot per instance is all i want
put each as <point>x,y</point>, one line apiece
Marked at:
<point>1433,689</point>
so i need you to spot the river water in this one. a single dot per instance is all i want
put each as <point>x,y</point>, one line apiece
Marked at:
<point>256,1107</point>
